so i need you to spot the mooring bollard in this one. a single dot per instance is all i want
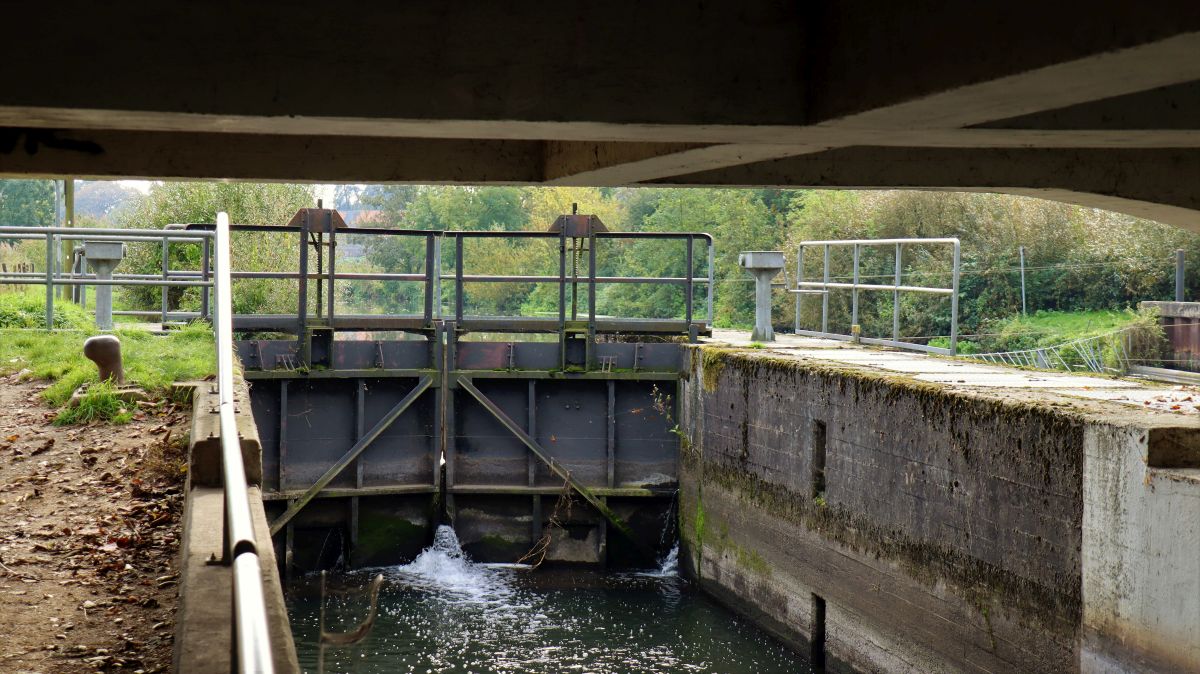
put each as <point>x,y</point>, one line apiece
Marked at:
<point>764,265</point>
<point>105,352</point>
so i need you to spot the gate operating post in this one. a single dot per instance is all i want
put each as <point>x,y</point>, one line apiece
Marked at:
<point>764,265</point>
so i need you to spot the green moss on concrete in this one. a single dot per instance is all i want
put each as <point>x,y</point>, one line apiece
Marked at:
<point>497,548</point>
<point>955,412</point>
<point>388,538</point>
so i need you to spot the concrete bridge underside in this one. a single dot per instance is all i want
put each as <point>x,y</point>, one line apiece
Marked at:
<point>1098,106</point>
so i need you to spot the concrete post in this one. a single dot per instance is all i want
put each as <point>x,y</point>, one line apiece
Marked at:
<point>764,266</point>
<point>103,256</point>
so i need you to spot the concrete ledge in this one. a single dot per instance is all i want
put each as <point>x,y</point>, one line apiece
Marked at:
<point>203,621</point>
<point>1173,309</point>
<point>204,445</point>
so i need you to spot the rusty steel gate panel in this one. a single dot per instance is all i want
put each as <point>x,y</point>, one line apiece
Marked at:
<point>380,508</point>
<point>609,428</point>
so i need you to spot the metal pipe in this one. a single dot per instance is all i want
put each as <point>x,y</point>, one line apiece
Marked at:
<point>250,616</point>
<point>712,288</point>
<point>458,279</point>
<point>63,281</point>
<point>876,242</point>
<point>875,286</point>
<point>799,279</point>
<point>109,231</point>
<point>253,645</point>
<point>854,292</point>
<point>49,280</point>
<point>954,300</point>
<point>896,299</point>
<point>825,299</point>
<point>166,263</point>
<point>687,287</point>
<point>205,252</point>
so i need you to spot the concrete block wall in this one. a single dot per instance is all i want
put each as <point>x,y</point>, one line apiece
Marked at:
<point>949,535</point>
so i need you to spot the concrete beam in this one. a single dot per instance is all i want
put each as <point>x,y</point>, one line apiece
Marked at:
<point>1155,184</point>
<point>107,154</point>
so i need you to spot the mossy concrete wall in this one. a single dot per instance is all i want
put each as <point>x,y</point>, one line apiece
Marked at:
<point>948,536</point>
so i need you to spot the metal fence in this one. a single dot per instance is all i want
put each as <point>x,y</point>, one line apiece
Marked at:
<point>55,276</point>
<point>823,287</point>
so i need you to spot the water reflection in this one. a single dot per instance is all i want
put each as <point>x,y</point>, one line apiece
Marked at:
<point>443,613</point>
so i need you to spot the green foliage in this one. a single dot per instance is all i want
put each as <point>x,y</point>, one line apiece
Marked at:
<point>1077,259</point>
<point>27,309</point>
<point>99,402</point>
<point>195,202</point>
<point>26,203</point>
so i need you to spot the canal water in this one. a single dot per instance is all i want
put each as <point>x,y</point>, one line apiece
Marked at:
<point>443,613</point>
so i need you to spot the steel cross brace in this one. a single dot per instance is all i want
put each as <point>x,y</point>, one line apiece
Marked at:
<point>558,470</point>
<point>352,454</point>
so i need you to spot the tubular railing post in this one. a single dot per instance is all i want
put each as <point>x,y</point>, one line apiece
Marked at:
<point>458,279</point>
<point>896,299</point>
<point>49,281</point>
<point>302,292</point>
<point>205,252</point>
<point>954,301</point>
<point>1021,253</point>
<point>799,280</point>
<point>437,278</point>
<point>591,343</point>
<point>687,288</point>
<point>332,274</point>
<point>712,282</point>
<point>854,292</point>
<point>166,255</point>
<point>825,296</point>
<point>562,298</point>
<point>430,270</point>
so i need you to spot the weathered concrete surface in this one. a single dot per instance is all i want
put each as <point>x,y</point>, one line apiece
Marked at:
<point>203,622</point>
<point>204,443</point>
<point>1141,553</point>
<point>950,535</point>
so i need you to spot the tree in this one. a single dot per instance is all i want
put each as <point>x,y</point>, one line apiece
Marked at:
<point>195,202</point>
<point>26,203</point>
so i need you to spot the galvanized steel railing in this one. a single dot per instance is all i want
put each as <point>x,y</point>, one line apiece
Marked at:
<point>54,275</point>
<point>823,287</point>
<point>252,642</point>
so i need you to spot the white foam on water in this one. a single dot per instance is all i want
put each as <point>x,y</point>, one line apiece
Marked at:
<point>668,567</point>
<point>444,567</point>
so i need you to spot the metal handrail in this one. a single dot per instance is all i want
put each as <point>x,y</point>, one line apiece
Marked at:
<point>54,276</point>
<point>823,287</point>
<point>253,644</point>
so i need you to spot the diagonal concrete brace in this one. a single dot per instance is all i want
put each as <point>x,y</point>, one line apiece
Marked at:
<point>358,448</point>
<point>558,470</point>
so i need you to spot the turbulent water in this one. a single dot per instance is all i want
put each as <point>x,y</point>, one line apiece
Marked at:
<point>443,613</point>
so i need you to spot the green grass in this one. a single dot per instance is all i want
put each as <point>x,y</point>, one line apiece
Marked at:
<point>1047,328</point>
<point>153,362</point>
<point>99,403</point>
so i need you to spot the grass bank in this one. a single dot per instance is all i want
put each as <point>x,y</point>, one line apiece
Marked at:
<point>153,362</point>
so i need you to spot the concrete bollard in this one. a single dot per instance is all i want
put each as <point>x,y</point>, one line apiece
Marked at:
<point>104,256</point>
<point>105,352</point>
<point>764,266</point>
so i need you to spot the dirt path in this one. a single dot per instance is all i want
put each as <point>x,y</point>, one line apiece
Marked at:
<point>89,533</point>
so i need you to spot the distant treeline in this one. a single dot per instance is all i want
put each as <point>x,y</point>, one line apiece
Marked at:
<point>1076,258</point>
